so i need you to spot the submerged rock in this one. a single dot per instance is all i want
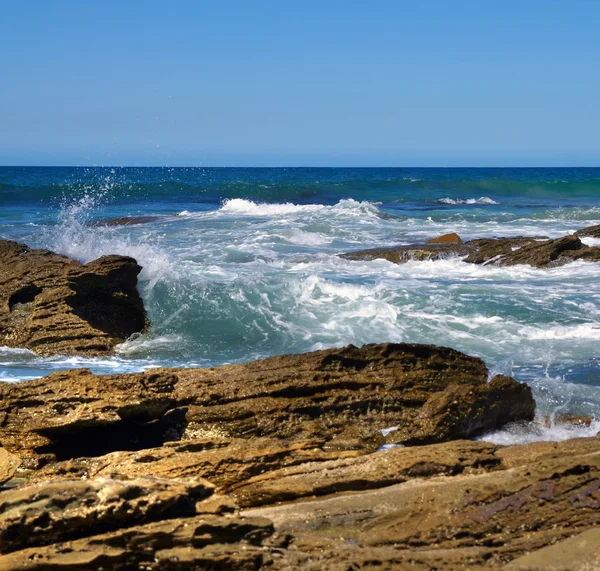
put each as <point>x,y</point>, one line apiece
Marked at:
<point>342,396</point>
<point>402,254</point>
<point>129,220</point>
<point>52,304</point>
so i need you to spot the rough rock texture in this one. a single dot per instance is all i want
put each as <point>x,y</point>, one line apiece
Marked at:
<point>452,238</point>
<point>52,304</point>
<point>402,254</point>
<point>344,396</point>
<point>225,462</point>
<point>8,465</point>
<point>472,519</point>
<point>378,470</point>
<point>127,524</point>
<point>488,250</point>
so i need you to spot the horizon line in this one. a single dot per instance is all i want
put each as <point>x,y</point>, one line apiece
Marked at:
<point>302,166</point>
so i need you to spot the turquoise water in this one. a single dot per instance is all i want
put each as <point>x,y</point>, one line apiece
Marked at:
<point>244,265</point>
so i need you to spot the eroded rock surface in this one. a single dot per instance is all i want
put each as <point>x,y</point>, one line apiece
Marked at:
<point>471,519</point>
<point>342,396</point>
<point>52,304</point>
<point>144,523</point>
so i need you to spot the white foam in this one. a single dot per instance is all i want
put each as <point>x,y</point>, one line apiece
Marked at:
<point>525,433</point>
<point>562,332</point>
<point>243,207</point>
<point>480,200</point>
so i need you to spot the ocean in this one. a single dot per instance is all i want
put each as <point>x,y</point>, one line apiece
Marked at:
<point>240,264</point>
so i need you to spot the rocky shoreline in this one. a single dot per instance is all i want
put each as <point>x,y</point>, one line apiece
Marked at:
<point>352,458</point>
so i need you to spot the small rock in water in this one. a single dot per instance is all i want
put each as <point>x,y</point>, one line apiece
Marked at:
<point>452,238</point>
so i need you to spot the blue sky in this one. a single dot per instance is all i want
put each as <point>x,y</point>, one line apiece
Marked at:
<point>290,82</point>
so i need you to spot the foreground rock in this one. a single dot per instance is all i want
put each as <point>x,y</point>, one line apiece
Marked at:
<point>453,522</point>
<point>342,396</point>
<point>143,523</point>
<point>52,304</point>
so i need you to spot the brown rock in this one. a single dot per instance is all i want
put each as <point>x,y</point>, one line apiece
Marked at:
<point>489,250</point>
<point>133,524</point>
<point>403,254</point>
<point>8,465</point>
<point>446,239</point>
<point>225,462</point>
<point>52,304</point>
<point>343,396</point>
<point>474,519</point>
<point>578,553</point>
<point>377,470</point>
<point>53,512</point>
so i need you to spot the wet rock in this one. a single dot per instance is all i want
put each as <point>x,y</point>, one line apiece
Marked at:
<point>468,519</point>
<point>403,254</point>
<point>127,524</point>
<point>342,396</point>
<point>52,304</point>
<point>488,250</point>
<point>544,254</point>
<point>452,238</point>
<point>590,232</point>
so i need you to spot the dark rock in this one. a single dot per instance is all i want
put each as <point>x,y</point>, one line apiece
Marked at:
<point>446,239</point>
<point>486,250</point>
<point>342,396</point>
<point>590,232</point>
<point>402,254</point>
<point>52,304</point>
<point>540,254</point>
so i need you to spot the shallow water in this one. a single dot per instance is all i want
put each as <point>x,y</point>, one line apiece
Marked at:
<point>245,266</point>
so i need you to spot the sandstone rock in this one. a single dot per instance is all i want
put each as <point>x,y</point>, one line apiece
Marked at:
<point>377,470</point>
<point>52,304</point>
<point>133,524</point>
<point>473,519</point>
<point>225,462</point>
<point>53,512</point>
<point>578,553</point>
<point>8,465</point>
<point>343,396</point>
<point>402,254</point>
<point>452,238</point>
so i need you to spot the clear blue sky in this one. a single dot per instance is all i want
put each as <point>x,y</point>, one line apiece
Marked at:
<point>300,82</point>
